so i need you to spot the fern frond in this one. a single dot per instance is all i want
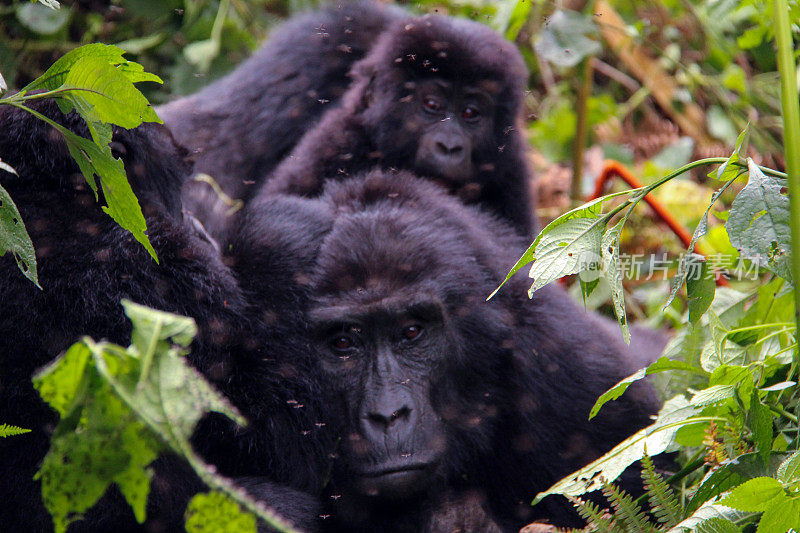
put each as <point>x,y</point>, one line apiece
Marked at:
<point>663,502</point>
<point>7,430</point>
<point>597,519</point>
<point>626,510</point>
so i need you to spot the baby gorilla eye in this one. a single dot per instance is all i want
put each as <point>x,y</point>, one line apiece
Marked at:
<point>432,105</point>
<point>470,113</point>
<point>412,332</point>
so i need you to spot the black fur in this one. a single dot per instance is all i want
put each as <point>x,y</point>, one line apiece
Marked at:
<point>87,264</point>
<point>372,126</point>
<point>240,127</point>
<point>512,384</point>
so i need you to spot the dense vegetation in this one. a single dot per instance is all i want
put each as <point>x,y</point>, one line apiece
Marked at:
<point>699,97</point>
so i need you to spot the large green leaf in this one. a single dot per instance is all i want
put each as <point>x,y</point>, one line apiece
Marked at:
<point>758,225</point>
<point>651,440</point>
<point>565,39</point>
<point>215,512</point>
<point>14,237</point>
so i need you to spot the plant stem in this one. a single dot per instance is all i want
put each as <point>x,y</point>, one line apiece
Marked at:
<point>791,143</point>
<point>585,70</point>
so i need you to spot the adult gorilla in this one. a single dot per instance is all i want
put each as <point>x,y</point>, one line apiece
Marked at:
<point>438,96</point>
<point>239,127</point>
<point>86,265</point>
<point>437,390</point>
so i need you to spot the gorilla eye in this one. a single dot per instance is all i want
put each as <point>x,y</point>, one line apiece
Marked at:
<point>432,105</point>
<point>470,113</point>
<point>412,332</point>
<point>342,343</point>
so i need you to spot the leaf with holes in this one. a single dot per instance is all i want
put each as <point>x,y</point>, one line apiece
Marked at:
<point>14,237</point>
<point>584,215</point>
<point>758,225</point>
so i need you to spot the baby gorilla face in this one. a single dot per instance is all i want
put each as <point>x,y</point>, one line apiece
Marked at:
<point>451,121</point>
<point>379,357</point>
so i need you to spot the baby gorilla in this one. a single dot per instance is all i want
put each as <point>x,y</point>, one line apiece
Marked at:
<point>438,96</point>
<point>438,391</point>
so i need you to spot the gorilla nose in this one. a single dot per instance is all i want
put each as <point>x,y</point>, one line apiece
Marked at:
<point>380,422</point>
<point>449,149</point>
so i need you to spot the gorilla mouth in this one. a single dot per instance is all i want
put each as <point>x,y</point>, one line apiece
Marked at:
<point>396,479</point>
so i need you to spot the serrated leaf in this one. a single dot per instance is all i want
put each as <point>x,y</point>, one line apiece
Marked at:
<point>758,225</point>
<point>760,420</point>
<point>717,525</point>
<point>782,515</point>
<point>754,495</point>
<point>613,274</point>
<point>215,512</point>
<point>103,93</point>
<point>731,474</point>
<point>789,470</point>
<point>565,40</point>
<point>711,359</point>
<point>14,237</point>
<point>54,77</point>
<point>705,515</point>
<point>592,210</point>
<point>651,440</point>
<point>712,395</point>
<point>122,204</point>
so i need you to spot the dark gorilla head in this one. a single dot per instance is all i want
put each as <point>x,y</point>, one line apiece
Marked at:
<point>447,91</point>
<point>434,389</point>
<point>398,309</point>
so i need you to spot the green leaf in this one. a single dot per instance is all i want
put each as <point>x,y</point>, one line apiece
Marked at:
<point>7,430</point>
<point>713,395</point>
<point>754,495</point>
<point>122,204</point>
<point>661,365</point>
<point>103,93</point>
<point>59,382</point>
<point>651,440</point>
<point>42,19</point>
<point>565,39</point>
<point>54,77</point>
<point>758,225</point>
<point>13,235</point>
<point>789,470</point>
<point>760,420</point>
<point>700,287</point>
<point>610,254</point>
<point>215,512</point>
<point>718,519</point>
<point>731,474</point>
<point>782,515</point>
<point>729,170</point>
<point>590,211</point>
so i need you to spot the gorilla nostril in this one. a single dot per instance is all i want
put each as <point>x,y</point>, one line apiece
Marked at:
<point>403,412</point>
<point>442,149</point>
<point>384,421</point>
<point>448,150</point>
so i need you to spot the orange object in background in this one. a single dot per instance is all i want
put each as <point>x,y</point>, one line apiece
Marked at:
<point>612,169</point>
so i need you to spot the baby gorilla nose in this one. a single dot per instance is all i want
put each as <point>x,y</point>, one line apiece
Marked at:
<point>389,418</point>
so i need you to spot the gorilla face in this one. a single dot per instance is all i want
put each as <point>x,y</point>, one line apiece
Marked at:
<point>380,355</point>
<point>451,120</point>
